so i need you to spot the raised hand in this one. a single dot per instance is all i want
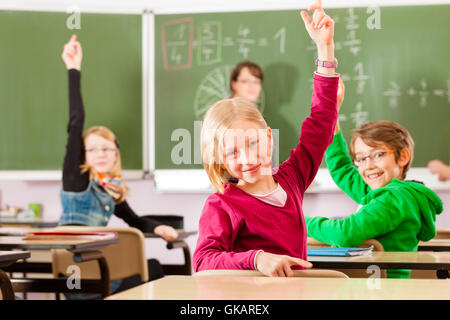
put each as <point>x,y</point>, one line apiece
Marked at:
<point>72,54</point>
<point>276,265</point>
<point>440,168</point>
<point>168,233</point>
<point>321,28</point>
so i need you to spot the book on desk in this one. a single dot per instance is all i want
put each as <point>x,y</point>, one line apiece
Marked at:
<point>339,252</point>
<point>58,235</point>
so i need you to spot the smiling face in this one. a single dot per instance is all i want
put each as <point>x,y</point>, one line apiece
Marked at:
<point>101,154</point>
<point>378,164</point>
<point>247,86</point>
<point>247,152</point>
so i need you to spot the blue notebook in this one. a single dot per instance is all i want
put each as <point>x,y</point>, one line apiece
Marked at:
<point>339,252</point>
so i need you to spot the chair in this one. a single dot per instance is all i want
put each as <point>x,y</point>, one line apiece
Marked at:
<point>125,259</point>
<point>352,273</point>
<point>312,273</point>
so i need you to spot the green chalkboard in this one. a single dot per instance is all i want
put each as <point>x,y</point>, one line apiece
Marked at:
<point>33,85</point>
<point>397,70</point>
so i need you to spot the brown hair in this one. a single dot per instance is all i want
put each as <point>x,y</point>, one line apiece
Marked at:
<point>218,119</point>
<point>254,69</point>
<point>116,171</point>
<point>392,134</point>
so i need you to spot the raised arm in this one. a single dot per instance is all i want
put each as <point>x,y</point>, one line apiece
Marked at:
<point>317,129</point>
<point>340,164</point>
<point>73,180</point>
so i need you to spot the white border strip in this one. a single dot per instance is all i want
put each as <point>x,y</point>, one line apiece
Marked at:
<point>173,7</point>
<point>196,181</point>
<point>293,5</point>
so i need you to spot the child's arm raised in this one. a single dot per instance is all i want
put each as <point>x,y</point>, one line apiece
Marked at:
<point>73,180</point>
<point>339,162</point>
<point>317,129</point>
<point>321,31</point>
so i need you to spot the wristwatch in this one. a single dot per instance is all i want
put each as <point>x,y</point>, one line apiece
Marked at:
<point>327,64</point>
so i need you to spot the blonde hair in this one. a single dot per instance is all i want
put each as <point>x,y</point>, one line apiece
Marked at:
<point>116,171</point>
<point>392,134</point>
<point>218,119</point>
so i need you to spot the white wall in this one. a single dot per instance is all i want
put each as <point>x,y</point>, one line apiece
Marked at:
<point>143,198</point>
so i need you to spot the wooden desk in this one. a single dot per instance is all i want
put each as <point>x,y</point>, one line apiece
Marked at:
<point>186,268</point>
<point>435,245</point>
<point>30,222</point>
<point>266,288</point>
<point>7,258</point>
<point>425,260</point>
<point>84,250</point>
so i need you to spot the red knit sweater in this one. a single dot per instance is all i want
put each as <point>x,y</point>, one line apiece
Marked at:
<point>235,225</point>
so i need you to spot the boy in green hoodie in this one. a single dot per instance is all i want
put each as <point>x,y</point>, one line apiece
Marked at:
<point>395,212</point>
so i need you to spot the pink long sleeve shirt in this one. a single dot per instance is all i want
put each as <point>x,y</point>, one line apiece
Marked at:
<point>235,225</point>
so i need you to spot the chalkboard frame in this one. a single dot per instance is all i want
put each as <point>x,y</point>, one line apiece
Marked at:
<point>167,181</point>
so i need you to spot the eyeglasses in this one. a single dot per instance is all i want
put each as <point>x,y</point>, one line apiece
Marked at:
<point>377,156</point>
<point>248,81</point>
<point>104,150</point>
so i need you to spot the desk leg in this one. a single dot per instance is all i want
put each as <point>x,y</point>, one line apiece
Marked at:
<point>6,287</point>
<point>187,267</point>
<point>103,265</point>
<point>104,274</point>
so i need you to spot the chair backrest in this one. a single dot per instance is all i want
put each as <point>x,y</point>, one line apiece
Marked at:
<point>352,273</point>
<point>126,258</point>
<point>312,273</point>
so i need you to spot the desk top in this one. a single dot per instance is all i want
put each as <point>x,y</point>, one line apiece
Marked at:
<point>9,257</point>
<point>435,245</point>
<point>33,222</point>
<point>84,245</point>
<point>424,260</point>
<point>266,288</point>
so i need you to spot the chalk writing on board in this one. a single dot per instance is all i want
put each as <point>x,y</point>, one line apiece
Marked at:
<point>360,77</point>
<point>177,40</point>
<point>421,91</point>
<point>353,43</point>
<point>215,86</point>
<point>282,35</point>
<point>393,93</point>
<point>359,117</point>
<point>178,43</point>
<point>244,41</point>
<point>209,43</point>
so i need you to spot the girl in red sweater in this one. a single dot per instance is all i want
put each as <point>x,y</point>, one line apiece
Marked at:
<point>255,220</point>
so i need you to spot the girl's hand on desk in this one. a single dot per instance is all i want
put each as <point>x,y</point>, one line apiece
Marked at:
<point>72,54</point>
<point>168,233</point>
<point>276,265</point>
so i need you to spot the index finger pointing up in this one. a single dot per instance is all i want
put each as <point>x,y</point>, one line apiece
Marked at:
<point>316,6</point>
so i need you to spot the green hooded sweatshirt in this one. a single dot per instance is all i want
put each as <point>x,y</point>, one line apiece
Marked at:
<point>398,215</point>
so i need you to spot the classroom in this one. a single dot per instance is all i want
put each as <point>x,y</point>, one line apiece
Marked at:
<point>150,72</point>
